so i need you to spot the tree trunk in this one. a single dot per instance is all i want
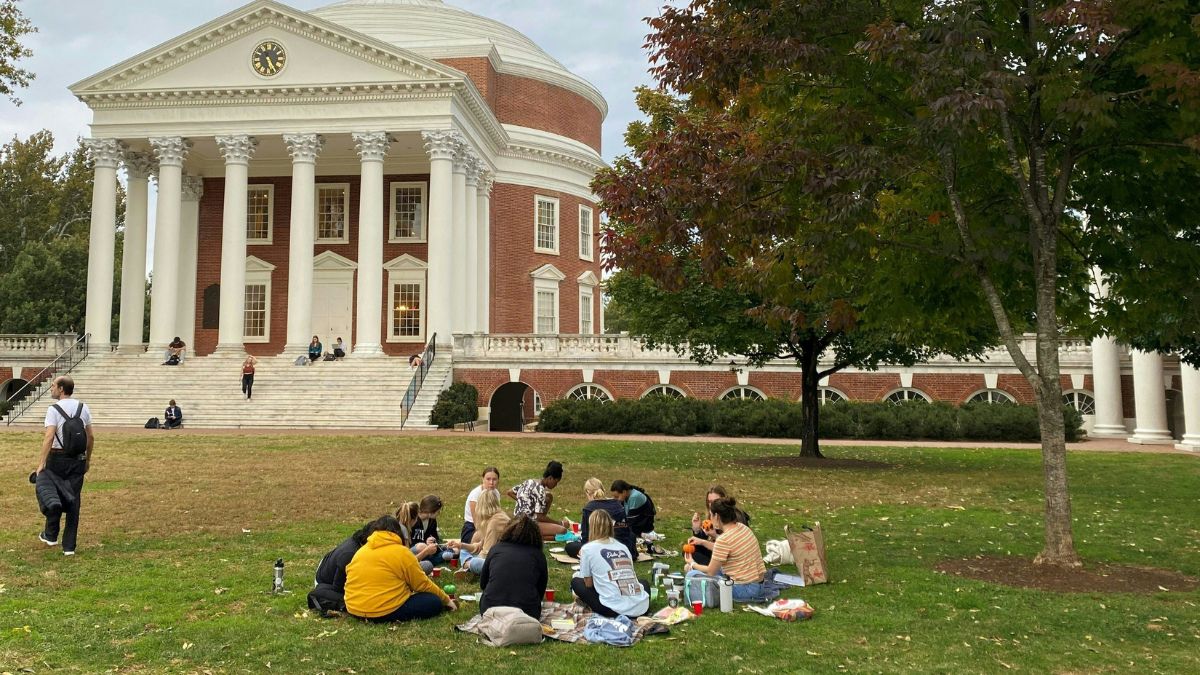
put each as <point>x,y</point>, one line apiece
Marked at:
<point>810,402</point>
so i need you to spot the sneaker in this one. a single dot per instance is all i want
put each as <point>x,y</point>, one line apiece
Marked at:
<point>68,552</point>
<point>42,538</point>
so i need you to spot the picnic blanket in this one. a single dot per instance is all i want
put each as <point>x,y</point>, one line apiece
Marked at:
<point>577,616</point>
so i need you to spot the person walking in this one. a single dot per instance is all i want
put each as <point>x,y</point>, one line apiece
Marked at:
<point>248,376</point>
<point>65,457</point>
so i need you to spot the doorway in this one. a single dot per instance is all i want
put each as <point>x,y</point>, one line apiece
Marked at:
<point>507,411</point>
<point>331,311</point>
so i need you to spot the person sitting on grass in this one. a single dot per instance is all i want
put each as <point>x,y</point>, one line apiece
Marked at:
<point>639,508</point>
<point>315,350</point>
<point>606,581</point>
<point>735,554</point>
<point>408,515</point>
<point>600,500</point>
<point>329,592</point>
<point>514,573</point>
<point>703,537</point>
<point>425,530</point>
<point>489,479</point>
<point>384,582</point>
<point>491,521</point>
<point>534,500</point>
<point>173,416</point>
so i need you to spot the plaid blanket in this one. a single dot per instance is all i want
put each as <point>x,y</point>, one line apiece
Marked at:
<point>577,615</point>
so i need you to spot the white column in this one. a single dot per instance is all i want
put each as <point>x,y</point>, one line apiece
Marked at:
<point>237,151</point>
<point>1150,400</point>
<point>442,147</point>
<point>138,167</point>
<point>458,240</point>
<point>189,242</point>
<point>102,241</point>
<point>1106,385</point>
<point>483,233</point>
<point>164,293</point>
<point>1191,407</point>
<point>372,147</point>
<point>471,262</point>
<point>304,149</point>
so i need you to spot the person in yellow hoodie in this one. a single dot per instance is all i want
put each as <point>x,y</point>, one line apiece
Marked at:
<point>384,581</point>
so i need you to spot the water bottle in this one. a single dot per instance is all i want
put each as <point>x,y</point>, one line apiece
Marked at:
<point>726,594</point>
<point>277,585</point>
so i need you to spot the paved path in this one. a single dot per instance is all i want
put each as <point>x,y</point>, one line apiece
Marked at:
<point>1094,445</point>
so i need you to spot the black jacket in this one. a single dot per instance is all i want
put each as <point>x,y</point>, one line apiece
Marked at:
<point>420,533</point>
<point>332,568</point>
<point>621,531</point>
<point>514,576</point>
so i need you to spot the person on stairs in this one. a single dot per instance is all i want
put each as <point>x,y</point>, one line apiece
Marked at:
<point>173,416</point>
<point>315,349</point>
<point>248,377</point>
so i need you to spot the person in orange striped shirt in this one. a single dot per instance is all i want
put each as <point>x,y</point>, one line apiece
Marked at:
<point>735,555</point>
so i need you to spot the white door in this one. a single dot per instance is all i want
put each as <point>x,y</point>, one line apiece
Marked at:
<point>331,312</point>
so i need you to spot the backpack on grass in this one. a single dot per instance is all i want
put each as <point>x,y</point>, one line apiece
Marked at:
<point>152,423</point>
<point>72,435</point>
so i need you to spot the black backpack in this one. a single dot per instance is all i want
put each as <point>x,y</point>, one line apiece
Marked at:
<point>72,434</point>
<point>152,423</point>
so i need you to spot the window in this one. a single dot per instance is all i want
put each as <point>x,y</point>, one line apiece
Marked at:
<point>546,234</point>
<point>333,205</point>
<point>260,201</point>
<point>408,308</point>
<point>665,391</point>
<point>547,312</point>
<point>408,212</point>
<point>902,395</point>
<point>830,395</point>
<point>1082,401</point>
<point>255,328</point>
<point>992,396</point>
<point>585,232</point>
<point>585,311</point>
<point>746,393</point>
<point>589,392</point>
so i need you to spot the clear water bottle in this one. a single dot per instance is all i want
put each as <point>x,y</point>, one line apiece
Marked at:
<point>726,594</point>
<point>277,584</point>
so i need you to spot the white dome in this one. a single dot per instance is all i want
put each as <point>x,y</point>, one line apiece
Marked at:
<point>436,30</point>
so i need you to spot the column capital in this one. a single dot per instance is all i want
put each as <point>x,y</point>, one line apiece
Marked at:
<point>487,180</point>
<point>170,150</point>
<point>139,165</point>
<point>372,145</point>
<point>304,147</point>
<point>193,188</point>
<point>237,149</point>
<point>105,152</point>
<point>475,169</point>
<point>442,144</point>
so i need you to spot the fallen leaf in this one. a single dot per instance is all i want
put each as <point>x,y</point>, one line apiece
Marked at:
<point>245,530</point>
<point>187,645</point>
<point>219,590</point>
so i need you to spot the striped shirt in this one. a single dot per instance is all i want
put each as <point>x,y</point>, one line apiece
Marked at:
<point>737,551</point>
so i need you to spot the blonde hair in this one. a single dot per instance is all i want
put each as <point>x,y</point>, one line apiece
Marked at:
<point>487,507</point>
<point>594,489</point>
<point>407,515</point>
<point>600,526</point>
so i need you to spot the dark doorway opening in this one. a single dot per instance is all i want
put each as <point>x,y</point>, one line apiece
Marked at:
<point>508,411</point>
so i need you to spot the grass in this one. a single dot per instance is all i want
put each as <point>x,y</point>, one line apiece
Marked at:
<point>180,532</point>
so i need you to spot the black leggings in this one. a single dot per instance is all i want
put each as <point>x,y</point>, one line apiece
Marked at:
<point>590,597</point>
<point>248,384</point>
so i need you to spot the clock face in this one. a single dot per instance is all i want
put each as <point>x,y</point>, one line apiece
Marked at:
<point>268,58</point>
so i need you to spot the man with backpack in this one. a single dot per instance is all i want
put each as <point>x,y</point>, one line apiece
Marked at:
<point>65,458</point>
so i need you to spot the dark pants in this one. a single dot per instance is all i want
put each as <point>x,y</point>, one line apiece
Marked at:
<point>468,531</point>
<point>248,384</point>
<point>418,606</point>
<point>174,424</point>
<point>702,556</point>
<point>71,470</point>
<point>339,353</point>
<point>588,596</point>
<point>325,597</point>
<point>572,548</point>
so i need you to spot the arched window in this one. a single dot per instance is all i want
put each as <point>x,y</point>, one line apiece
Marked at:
<point>992,396</point>
<point>902,395</point>
<point>1082,401</point>
<point>829,395</point>
<point>746,393</point>
<point>589,392</point>
<point>664,390</point>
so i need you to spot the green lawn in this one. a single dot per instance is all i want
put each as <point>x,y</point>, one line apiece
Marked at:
<point>180,531</point>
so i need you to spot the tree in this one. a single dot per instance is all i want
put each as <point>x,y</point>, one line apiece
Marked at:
<point>722,252</point>
<point>1049,137</point>
<point>13,26</point>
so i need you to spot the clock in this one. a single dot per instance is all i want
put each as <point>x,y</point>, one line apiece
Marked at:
<point>268,58</point>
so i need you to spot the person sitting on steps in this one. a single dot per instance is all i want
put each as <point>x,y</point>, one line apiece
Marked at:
<point>173,416</point>
<point>176,352</point>
<point>339,349</point>
<point>315,350</point>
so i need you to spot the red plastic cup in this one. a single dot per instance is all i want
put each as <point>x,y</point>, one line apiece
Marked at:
<point>575,528</point>
<point>549,595</point>
<point>454,563</point>
<point>697,608</point>
<point>437,572</point>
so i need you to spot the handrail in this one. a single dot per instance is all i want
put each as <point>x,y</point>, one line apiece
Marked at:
<point>61,365</point>
<point>418,379</point>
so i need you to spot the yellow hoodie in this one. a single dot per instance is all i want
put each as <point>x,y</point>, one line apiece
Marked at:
<point>383,575</point>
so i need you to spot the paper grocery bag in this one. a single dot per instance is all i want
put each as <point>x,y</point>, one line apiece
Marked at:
<point>808,550</point>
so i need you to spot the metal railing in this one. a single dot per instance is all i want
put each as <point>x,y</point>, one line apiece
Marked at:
<point>414,386</point>
<point>25,397</point>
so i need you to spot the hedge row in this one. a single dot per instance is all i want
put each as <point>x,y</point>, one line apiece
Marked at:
<point>456,405</point>
<point>783,419</point>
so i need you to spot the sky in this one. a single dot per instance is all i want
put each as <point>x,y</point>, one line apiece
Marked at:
<point>600,40</point>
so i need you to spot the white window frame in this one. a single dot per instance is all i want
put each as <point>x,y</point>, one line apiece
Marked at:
<point>825,393</point>
<point>392,238</point>
<point>345,238</point>
<point>547,279</point>
<point>407,270</point>
<point>538,200</point>
<point>741,393</point>
<point>1071,398</point>
<point>1005,397</point>
<point>661,388</point>
<point>590,389</point>
<point>909,394</point>
<point>258,273</point>
<point>589,293</point>
<point>270,189</point>
<point>586,237</point>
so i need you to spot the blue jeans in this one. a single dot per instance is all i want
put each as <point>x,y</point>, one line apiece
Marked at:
<point>749,592</point>
<point>475,564</point>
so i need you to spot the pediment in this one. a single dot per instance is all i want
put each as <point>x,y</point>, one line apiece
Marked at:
<point>405,262</point>
<point>328,260</point>
<point>549,272</point>
<point>217,57</point>
<point>255,264</point>
<point>588,278</point>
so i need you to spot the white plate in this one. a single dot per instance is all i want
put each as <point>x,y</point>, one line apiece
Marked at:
<point>558,549</point>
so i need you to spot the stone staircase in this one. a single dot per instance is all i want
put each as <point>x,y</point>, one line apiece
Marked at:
<point>353,393</point>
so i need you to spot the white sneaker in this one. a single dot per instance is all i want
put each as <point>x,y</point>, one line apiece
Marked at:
<point>42,538</point>
<point>68,552</point>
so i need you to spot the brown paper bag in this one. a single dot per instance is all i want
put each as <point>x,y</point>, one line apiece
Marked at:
<point>808,550</point>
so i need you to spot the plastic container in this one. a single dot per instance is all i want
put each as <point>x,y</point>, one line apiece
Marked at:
<point>726,595</point>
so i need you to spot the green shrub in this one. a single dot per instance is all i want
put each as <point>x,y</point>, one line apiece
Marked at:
<point>456,405</point>
<point>1073,421</point>
<point>835,420</point>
